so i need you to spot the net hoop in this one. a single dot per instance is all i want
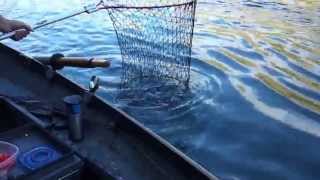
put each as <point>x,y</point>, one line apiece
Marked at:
<point>104,5</point>
<point>155,41</point>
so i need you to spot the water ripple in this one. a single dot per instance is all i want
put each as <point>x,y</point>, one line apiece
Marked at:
<point>255,82</point>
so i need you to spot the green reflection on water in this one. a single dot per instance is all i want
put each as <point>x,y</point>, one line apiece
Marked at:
<point>294,96</point>
<point>294,33</point>
<point>299,77</point>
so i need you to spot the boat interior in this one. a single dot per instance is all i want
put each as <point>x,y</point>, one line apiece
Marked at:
<point>114,146</point>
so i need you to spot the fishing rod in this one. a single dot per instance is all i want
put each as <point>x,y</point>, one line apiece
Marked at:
<point>87,9</point>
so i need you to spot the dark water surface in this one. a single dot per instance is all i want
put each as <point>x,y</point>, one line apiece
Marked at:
<point>253,107</point>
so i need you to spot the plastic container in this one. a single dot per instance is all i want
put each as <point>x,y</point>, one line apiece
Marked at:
<point>12,152</point>
<point>39,157</point>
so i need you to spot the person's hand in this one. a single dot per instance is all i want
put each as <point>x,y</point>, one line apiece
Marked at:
<point>22,29</point>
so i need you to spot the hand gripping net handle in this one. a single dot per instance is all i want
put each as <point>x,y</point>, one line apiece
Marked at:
<point>87,9</point>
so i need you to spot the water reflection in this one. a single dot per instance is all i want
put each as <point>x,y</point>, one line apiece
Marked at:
<point>278,34</point>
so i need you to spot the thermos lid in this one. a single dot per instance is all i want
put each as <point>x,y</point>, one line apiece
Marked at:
<point>73,103</point>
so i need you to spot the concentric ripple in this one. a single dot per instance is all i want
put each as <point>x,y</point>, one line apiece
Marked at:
<point>145,96</point>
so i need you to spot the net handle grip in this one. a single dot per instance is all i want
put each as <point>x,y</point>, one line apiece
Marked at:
<point>80,62</point>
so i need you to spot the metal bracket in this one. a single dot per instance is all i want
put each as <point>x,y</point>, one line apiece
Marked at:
<point>94,85</point>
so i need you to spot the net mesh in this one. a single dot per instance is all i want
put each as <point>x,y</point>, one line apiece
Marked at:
<point>155,38</point>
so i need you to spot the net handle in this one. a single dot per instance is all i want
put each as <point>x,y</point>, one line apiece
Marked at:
<point>89,10</point>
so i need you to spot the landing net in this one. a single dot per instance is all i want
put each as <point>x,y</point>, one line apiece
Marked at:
<point>155,38</point>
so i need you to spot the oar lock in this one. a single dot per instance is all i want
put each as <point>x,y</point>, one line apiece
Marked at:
<point>53,61</point>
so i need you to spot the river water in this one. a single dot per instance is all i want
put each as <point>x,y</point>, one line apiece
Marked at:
<point>253,107</point>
